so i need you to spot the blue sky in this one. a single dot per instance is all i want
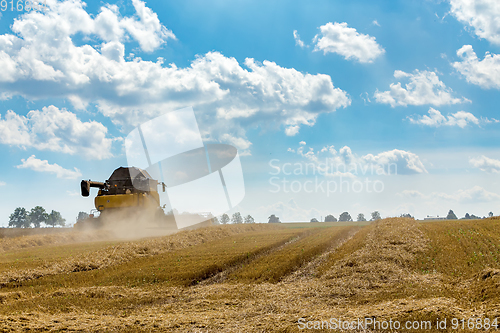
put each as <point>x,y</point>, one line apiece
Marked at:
<point>358,85</point>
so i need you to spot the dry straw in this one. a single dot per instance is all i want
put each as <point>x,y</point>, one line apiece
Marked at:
<point>382,272</point>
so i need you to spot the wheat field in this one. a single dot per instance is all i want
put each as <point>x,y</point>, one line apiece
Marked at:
<point>252,278</point>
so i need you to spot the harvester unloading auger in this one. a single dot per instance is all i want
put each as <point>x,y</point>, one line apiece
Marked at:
<point>129,192</point>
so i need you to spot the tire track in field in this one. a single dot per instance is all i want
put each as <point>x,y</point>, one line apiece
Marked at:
<point>310,270</point>
<point>330,244</point>
<point>280,264</point>
<point>222,276</point>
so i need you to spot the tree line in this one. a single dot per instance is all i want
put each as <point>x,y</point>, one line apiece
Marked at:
<point>452,216</point>
<point>344,217</point>
<point>21,218</point>
<point>235,219</point>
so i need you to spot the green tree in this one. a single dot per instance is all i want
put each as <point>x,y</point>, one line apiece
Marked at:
<point>249,219</point>
<point>19,219</point>
<point>345,217</point>
<point>224,219</point>
<point>81,216</point>
<point>37,216</point>
<point>55,218</point>
<point>330,218</point>
<point>408,215</point>
<point>215,220</point>
<point>490,214</point>
<point>375,216</point>
<point>274,219</point>
<point>451,215</point>
<point>361,217</point>
<point>314,219</point>
<point>237,219</point>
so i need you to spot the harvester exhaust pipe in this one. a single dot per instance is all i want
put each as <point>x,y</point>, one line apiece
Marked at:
<point>87,184</point>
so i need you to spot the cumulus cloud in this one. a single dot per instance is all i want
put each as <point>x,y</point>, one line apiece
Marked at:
<point>474,194</point>
<point>38,165</point>
<point>436,119</point>
<point>42,49</point>
<point>405,161</point>
<point>2,184</point>
<point>238,95</point>
<point>424,88</point>
<point>298,41</point>
<point>481,15</point>
<point>241,144</point>
<point>129,90</point>
<point>485,164</point>
<point>57,130</point>
<point>344,163</point>
<point>484,73</point>
<point>347,42</point>
<point>146,28</point>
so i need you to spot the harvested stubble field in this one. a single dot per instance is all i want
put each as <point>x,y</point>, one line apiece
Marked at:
<point>255,278</point>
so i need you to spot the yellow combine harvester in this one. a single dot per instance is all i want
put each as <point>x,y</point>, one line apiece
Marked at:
<point>129,191</point>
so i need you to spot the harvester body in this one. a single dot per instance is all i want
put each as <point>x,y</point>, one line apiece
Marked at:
<point>128,190</point>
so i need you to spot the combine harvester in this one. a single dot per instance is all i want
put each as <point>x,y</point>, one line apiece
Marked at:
<point>128,198</point>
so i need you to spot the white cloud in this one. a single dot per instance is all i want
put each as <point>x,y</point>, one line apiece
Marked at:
<point>375,22</point>
<point>35,164</point>
<point>292,130</point>
<point>341,39</point>
<point>232,112</point>
<point>405,161</point>
<point>298,41</point>
<point>412,194</point>
<point>42,48</point>
<point>424,88</point>
<point>344,163</point>
<point>230,96</point>
<point>490,120</point>
<point>57,130</point>
<point>481,15</point>
<point>365,97</point>
<point>436,119</point>
<point>2,184</point>
<point>147,30</point>
<point>484,73</point>
<point>474,194</point>
<point>239,143</point>
<point>485,164</point>
<point>264,94</point>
